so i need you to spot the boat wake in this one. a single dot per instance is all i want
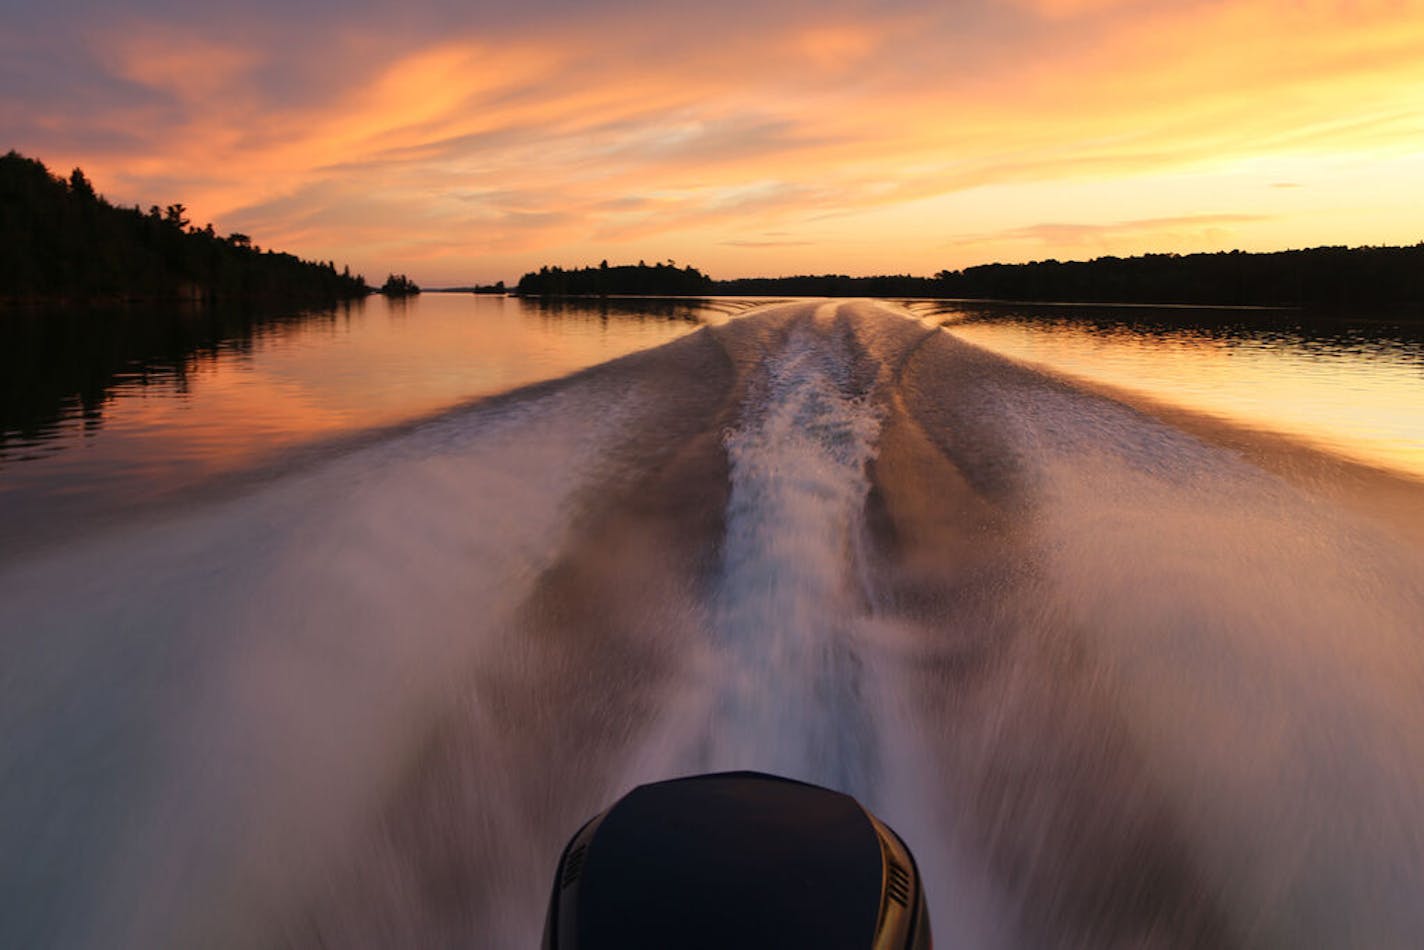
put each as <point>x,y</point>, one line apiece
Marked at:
<point>1114,682</point>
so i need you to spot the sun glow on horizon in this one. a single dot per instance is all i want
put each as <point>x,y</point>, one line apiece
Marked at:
<point>754,140</point>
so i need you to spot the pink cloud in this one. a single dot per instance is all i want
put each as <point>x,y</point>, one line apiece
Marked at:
<point>606,127</point>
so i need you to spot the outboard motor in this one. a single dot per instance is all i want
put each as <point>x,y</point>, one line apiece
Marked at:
<point>736,860</point>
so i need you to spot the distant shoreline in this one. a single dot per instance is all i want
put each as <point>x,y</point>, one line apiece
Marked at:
<point>1321,278</point>
<point>1384,313</point>
<point>1125,305</point>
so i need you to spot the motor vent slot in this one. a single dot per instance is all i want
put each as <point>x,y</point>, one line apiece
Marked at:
<point>573,866</point>
<point>897,883</point>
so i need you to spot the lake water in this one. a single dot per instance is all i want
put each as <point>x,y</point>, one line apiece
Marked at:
<point>327,629</point>
<point>106,411</point>
<point>103,412</point>
<point>1353,387</point>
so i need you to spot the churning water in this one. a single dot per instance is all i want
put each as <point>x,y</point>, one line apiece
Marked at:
<point>1118,679</point>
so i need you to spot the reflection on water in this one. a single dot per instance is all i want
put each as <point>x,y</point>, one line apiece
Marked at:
<point>101,410</point>
<point>693,309</point>
<point>1354,387</point>
<point>61,366</point>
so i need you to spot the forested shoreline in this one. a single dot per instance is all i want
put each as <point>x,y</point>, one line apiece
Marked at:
<point>662,279</point>
<point>1313,278</point>
<point>61,241</point>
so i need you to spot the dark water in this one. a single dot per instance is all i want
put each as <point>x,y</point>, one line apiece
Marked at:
<point>1121,676</point>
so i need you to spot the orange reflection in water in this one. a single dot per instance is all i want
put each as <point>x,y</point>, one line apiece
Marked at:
<point>235,406</point>
<point>1362,398</point>
<point>398,360</point>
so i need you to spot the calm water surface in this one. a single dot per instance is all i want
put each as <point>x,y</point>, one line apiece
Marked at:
<point>103,411</point>
<point>1356,388</point>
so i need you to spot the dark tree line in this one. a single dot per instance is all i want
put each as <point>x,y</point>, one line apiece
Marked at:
<point>60,240</point>
<point>662,280</point>
<point>495,288</point>
<point>399,285</point>
<point>1325,277</point>
<point>1321,277</point>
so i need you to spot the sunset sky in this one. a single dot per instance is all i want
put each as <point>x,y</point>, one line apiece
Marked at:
<point>468,141</point>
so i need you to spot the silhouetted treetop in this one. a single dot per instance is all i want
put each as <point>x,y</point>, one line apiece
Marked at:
<point>665,279</point>
<point>1321,277</point>
<point>399,285</point>
<point>1334,277</point>
<point>59,239</point>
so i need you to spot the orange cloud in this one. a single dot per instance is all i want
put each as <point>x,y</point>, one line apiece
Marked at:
<point>599,135</point>
<point>1205,232</point>
<point>837,47</point>
<point>188,67</point>
<point>1060,9</point>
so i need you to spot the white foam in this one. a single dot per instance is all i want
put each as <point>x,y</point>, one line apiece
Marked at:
<point>194,715</point>
<point>789,693</point>
<point>1267,653</point>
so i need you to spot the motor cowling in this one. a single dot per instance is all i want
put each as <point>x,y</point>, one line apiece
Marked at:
<point>736,859</point>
